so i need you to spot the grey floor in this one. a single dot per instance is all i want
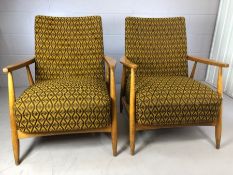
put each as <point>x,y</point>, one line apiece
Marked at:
<point>166,151</point>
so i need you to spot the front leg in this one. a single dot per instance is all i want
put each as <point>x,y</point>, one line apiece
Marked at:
<point>14,135</point>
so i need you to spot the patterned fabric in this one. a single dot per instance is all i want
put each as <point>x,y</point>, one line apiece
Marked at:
<point>157,45</point>
<point>68,47</point>
<point>70,92</point>
<point>174,100</point>
<point>63,105</point>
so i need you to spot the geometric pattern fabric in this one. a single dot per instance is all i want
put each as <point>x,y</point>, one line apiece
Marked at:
<point>174,100</point>
<point>63,105</point>
<point>164,93</point>
<point>157,45</point>
<point>70,92</point>
<point>68,47</point>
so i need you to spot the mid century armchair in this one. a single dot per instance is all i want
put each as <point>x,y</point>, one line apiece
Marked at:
<point>71,93</point>
<point>155,88</point>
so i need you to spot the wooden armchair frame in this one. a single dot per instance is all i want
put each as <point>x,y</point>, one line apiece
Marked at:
<point>17,134</point>
<point>130,108</point>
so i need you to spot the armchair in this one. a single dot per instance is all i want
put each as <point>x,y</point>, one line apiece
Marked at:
<point>71,93</point>
<point>155,88</point>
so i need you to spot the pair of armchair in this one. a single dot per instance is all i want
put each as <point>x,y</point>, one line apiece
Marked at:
<point>74,89</point>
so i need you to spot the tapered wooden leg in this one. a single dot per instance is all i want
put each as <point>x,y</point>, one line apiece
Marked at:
<point>218,129</point>
<point>114,131</point>
<point>132,113</point>
<point>14,135</point>
<point>114,111</point>
<point>132,139</point>
<point>15,144</point>
<point>114,142</point>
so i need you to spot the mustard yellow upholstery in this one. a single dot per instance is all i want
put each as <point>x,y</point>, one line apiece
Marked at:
<point>70,92</point>
<point>174,100</point>
<point>164,94</point>
<point>157,45</point>
<point>69,47</point>
<point>63,105</point>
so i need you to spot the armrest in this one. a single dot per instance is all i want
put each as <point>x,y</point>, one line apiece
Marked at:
<point>128,63</point>
<point>11,68</point>
<point>210,62</point>
<point>207,61</point>
<point>111,62</point>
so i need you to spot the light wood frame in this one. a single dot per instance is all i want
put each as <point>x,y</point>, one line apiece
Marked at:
<point>16,134</point>
<point>130,108</point>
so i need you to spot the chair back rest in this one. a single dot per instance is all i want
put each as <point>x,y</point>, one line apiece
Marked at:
<point>67,47</point>
<point>157,45</point>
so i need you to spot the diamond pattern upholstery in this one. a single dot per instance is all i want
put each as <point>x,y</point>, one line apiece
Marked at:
<point>63,105</point>
<point>68,47</point>
<point>165,96</point>
<point>173,100</point>
<point>70,92</point>
<point>157,45</point>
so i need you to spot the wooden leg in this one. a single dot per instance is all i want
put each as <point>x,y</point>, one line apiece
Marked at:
<point>132,113</point>
<point>218,129</point>
<point>14,135</point>
<point>15,144</point>
<point>132,139</point>
<point>114,112</point>
<point>114,142</point>
<point>114,131</point>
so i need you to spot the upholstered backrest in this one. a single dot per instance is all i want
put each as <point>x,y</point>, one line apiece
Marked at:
<point>157,45</point>
<point>68,47</point>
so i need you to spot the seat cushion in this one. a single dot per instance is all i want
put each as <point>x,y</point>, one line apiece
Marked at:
<point>63,105</point>
<point>174,100</point>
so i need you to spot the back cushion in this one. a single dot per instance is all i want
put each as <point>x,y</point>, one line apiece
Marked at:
<point>157,45</point>
<point>68,47</point>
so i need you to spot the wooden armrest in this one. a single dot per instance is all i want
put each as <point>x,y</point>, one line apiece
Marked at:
<point>207,61</point>
<point>128,63</point>
<point>110,61</point>
<point>11,68</point>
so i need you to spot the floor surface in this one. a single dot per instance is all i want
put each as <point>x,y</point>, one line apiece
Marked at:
<point>188,151</point>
